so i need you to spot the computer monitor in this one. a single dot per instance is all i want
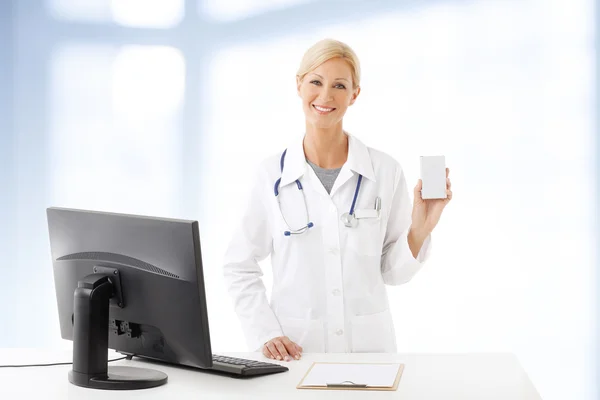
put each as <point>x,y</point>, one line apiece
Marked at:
<point>133,284</point>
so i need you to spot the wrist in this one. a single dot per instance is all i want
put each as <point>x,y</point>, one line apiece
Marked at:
<point>418,235</point>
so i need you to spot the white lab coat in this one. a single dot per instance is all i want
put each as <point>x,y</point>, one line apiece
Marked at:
<point>328,290</point>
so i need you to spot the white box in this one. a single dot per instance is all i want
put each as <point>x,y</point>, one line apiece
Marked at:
<point>433,175</point>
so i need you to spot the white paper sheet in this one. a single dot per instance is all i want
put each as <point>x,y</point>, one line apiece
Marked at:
<point>372,375</point>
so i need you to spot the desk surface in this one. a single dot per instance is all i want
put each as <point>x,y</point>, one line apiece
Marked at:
<point>425,377</point>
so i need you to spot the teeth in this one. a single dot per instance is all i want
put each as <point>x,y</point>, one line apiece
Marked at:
<point>323,109</point>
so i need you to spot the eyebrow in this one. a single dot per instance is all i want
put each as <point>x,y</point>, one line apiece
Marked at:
<point>337,79</point>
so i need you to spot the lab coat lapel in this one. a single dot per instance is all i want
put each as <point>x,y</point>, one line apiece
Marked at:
<point>294,164</point>
<point>343,177</point>
<point>315,182</point>
<point>359,162</point>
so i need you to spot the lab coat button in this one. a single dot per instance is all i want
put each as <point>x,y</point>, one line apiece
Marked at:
<point>339,332</point>
<point>334,251</point>
<point>335,292</point>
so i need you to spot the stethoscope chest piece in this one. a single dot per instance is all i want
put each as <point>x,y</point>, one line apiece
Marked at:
<point>349,220</point>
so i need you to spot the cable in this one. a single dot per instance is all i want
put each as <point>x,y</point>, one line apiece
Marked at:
<point>54,364</point>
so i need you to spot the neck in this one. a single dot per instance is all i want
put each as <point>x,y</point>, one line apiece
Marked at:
<point>326,147</point>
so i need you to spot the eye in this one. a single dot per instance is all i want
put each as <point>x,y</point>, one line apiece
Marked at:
<point>316,82</point>
<point>340,86</point>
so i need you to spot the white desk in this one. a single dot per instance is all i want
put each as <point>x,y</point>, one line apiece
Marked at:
<point>425,377</point>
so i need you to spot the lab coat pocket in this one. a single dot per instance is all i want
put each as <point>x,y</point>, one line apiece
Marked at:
<point>307,333</point>
<point>365,238</point>
<point>373,333</point>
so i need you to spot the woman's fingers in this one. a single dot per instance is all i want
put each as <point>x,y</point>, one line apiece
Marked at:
<point>273,350</point>
<point>292,348</point>
<point>266,352</point>
<point>282,350</point>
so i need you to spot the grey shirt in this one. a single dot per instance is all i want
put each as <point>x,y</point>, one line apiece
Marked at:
<point>326,176</point>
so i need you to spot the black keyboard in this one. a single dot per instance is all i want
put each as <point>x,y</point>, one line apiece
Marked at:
<point>243,367</point>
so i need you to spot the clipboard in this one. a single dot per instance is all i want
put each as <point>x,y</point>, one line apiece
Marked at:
<point>351,385</point>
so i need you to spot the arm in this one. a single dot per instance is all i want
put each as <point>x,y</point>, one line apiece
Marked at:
<point>404,250</point>
<point>251,243</point>
<point>416,241</point>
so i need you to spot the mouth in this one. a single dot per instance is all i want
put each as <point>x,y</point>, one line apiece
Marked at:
<point>321,110</point>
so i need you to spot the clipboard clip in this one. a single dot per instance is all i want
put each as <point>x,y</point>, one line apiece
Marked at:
<point>346,384</point>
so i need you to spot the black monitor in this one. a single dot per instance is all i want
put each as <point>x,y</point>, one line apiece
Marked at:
<point>133,284</point>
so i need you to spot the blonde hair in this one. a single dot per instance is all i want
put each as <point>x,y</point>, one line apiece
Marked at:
<point>325,50</point>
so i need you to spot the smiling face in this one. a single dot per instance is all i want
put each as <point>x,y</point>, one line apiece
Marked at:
<point>327,92</point>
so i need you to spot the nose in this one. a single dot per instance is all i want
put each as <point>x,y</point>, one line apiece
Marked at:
<point>326,94</point>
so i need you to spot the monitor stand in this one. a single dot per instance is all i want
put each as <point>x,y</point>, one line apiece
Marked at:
<point>90,338</point>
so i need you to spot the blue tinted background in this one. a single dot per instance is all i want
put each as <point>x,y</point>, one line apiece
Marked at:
<point>164,107</point>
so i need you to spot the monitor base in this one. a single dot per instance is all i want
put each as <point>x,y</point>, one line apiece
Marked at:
<point>120,378</point>
<point>90,338</point>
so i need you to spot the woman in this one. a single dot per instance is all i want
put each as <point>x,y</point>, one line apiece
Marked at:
<point>336,218</point>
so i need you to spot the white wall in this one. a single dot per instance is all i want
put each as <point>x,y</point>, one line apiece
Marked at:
<point>503,89</point>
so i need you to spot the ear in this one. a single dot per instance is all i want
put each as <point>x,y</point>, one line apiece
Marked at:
<point>355,95</point>
<point>298,84</point>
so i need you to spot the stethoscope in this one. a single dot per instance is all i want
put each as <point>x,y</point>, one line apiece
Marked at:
<point>348,218</point>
